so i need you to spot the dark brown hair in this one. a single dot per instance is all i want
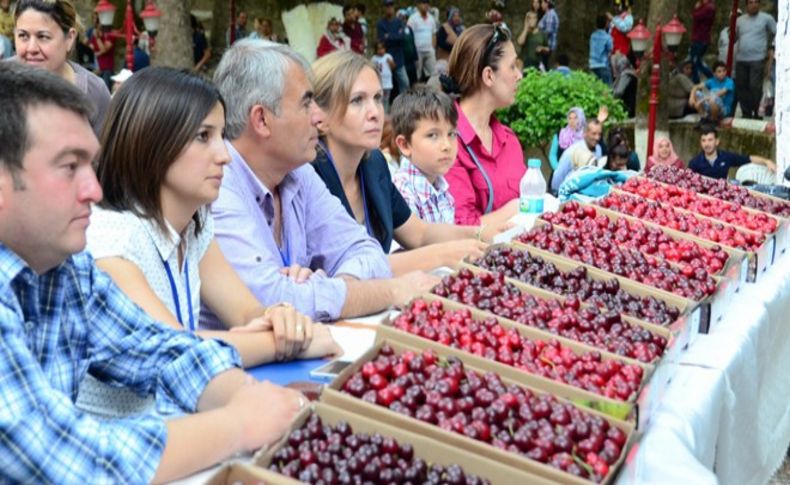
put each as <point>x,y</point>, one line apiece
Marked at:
<point>418,103</point>
<point>472,53</point>
<point>62,12</point>
<point>151,120</point>
<point>21,88</point>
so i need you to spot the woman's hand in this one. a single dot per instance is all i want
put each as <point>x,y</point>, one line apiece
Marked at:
<point>293,331</point>
<point>489,232</point>
<point>454,252</point>
<point>322,345</point>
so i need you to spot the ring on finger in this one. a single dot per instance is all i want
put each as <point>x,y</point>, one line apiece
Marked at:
<point>299,328</point>
<point>302,402</point>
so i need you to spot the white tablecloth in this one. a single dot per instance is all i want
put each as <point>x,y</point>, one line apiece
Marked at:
<point>726,414</point>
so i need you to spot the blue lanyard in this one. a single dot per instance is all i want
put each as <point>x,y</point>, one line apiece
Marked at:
<point>285,256</point>
<point>361,183</point>
<point>173,288</point>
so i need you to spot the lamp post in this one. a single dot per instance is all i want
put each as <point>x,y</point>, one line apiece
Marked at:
<point>731,45</point>
<point>150,15</point>
<point>669,34</point>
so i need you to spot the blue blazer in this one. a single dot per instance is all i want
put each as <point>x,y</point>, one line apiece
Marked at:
<point>386,210</point>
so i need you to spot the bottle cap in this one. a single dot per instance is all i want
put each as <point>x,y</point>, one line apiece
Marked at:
<point>533,163</point>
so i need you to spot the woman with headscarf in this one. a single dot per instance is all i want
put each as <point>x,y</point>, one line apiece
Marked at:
<point>574,130</point>
<point>664,155</point>
<point>333,39</point>
<point>448,33</point>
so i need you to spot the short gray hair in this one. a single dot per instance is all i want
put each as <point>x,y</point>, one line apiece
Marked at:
<point>253,72</point>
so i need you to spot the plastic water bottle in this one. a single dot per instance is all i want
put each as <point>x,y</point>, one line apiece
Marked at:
<point>532,189</point>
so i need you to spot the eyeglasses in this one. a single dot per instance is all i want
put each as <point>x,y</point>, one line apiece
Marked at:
<point>501,34</point>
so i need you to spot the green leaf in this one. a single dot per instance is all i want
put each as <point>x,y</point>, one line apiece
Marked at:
<point>543,100</point>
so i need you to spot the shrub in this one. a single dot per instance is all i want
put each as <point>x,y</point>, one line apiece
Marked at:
<point>543,100</point>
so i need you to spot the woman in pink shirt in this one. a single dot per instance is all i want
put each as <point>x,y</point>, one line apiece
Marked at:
<point>484,179</point>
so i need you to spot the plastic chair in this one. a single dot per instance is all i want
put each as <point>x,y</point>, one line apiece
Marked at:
<point>755,173</point>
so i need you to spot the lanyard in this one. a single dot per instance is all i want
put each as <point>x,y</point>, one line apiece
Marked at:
<point>361,183</point>
<point>490,204</point>
<point>285,256</point>
<point>173,288</point>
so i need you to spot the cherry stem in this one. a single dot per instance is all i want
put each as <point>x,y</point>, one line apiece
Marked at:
<point>581,462</point>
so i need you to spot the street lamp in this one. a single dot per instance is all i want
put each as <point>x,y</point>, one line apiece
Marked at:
<point>150,15</point>
<point>639,36</point>
<point>670,35</point>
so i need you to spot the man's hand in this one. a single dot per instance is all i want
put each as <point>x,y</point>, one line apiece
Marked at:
<point>263,411</point>
<point>297,273</point>
<point>408,286</point>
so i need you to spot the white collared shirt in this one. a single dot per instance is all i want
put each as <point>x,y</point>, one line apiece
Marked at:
<point>140,241</point>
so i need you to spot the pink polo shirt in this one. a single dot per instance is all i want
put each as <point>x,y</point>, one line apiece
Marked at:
<point>504,166</point>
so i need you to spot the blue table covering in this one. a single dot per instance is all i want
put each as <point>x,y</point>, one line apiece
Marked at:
<point>283,373</point>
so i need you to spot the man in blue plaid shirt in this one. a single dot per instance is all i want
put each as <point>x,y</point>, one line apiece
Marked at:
<point>60,317</point>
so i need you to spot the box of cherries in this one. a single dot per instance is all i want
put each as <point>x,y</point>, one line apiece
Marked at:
<point>327,444</point>
<point>609,254</point>
<point>446,399</point>
<point>593,287</point>
<point>650,239</point>
<point>739,196</point>
<point>757,246</point>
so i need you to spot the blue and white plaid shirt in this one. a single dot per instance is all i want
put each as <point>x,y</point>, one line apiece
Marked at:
<point>430,202</point>
<point>56,326</point>
<point>550,24</point>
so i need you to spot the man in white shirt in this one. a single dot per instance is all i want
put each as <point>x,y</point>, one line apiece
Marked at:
<point>424,27</point>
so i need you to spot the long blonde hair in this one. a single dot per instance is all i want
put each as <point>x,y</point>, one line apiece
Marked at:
<point>334,76</point>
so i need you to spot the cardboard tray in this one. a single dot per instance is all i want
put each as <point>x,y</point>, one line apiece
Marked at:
<point>241,473</point>
<point>332,395</point>
<point>685,327</point>
<point>783,223</point>
<point>615,408</point>
<point>430,450</point>
<point>731,270</point>
<point>711,309</point>
<point>677,330</point>
<point>759,261</point>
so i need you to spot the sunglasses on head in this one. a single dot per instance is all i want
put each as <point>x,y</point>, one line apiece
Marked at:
<point>501,34</point>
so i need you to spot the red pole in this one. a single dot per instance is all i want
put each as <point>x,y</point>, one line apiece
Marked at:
<point>128,27</point>
<point>655,77</point>
<point>731,47</point>
<point>232,22</point>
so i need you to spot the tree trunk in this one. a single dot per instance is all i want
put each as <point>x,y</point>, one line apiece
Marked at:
<point>85,11</point>
<point>174,39</point>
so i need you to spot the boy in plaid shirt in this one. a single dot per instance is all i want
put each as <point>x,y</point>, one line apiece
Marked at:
<point>424,125</point>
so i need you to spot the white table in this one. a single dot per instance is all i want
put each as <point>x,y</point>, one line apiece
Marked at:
<point>726,415</point>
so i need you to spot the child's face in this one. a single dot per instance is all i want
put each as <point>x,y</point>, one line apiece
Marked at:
<point>381,50</point>
<point>720,73</point>
<point>432,147</point>
<point>618,163</point>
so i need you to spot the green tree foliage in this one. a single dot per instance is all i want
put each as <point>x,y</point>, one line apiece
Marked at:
<point>543,101</point>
